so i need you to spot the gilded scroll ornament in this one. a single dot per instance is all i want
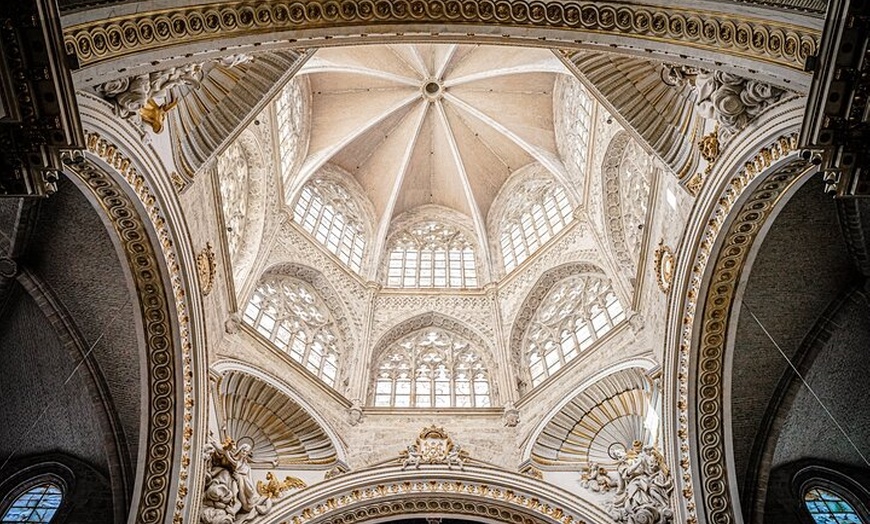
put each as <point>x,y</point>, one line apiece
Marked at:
<point>276,489</point>
<point>714,485</point>
<point>741,36</point>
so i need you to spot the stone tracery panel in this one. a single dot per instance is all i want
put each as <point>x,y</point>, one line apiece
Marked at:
<point>530,210</point>
<point>573,109</point>
<point>627,172</point>
<point>296,309</point>
<point>431,253</point>
<point>569,308</point>
<point>419,347</point>
<point>432,368</point>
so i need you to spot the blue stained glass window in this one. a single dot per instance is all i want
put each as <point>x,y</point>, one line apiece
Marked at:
<point>827,507</point>
<point>37,504</point>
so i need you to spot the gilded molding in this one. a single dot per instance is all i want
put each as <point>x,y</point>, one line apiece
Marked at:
<point>437,495</point>
<point>735,35</point>
<point>154,503</point>
<point>708,432</point>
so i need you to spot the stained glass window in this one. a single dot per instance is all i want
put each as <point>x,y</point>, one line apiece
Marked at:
<point>37,504</point>
<point>572,317</point>
<point>432,368</point>
<point>826,507</point>
<point>431,254</point>
<point>534,214</point>
<point>327,211</point>
<point>289,313</point>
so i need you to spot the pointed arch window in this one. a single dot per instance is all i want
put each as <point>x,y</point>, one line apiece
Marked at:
<point>327,211</point>
<point>534,214</point>
<point>431,255</point>
<point>289,313</point>
<point>38,503</point>
<point>828,507</point>
<point>432,368</point>
<point>572,317</point>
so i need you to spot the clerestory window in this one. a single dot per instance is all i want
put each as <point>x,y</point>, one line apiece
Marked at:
<point>327,211</point>
<point>827,507</point>
<point>431,255</point>
<point>289,313</point>
<point>534,214</point>
<point>432,368</point>
<point>38,503</point>
<point>572,317</point>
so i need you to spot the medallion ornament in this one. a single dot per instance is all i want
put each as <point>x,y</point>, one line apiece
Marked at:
<point>205,269</point>
<point>664,266</point>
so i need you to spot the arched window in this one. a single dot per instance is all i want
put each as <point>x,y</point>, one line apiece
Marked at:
<point>534,214</point>
<point>575,313</point>
<point>37,503</point>
<point>292,316</point>
<point>327,211</point>
<point>827,507</point>
<point>432,368</point>
<point>573,124</point>
<point>431,254</point>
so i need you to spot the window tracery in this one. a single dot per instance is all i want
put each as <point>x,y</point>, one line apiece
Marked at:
<point>828,507</point>
<point>232,169</point>
<point>289,313</point>
<point>289,111</point>
<point>635,170</point>
<point>431,255</point>
<point>575,313</point>
<point>536,212</point>
<point>573,124</point>
<point>38,503</point>
<point>329,213</point>
<point>432,368</point>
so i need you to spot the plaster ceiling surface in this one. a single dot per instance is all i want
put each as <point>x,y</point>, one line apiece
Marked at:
<point>435,124</point>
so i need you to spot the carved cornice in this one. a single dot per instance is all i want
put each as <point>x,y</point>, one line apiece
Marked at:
<point>735,35</point>
<point>707,361</point>
<point>164,398</point>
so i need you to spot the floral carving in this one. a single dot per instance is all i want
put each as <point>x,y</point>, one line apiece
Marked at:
<point>205,268</point>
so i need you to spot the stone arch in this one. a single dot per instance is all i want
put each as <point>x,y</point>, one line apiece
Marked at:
<point>536,295</point>
<point>323,287</point>
<point>257,183</point>
<point>479,492</point>
<point>518,181</point>
<point>432,319</point>
<point>291,392</point>
<point>748,186</point>
<point>610,409</point>
<point>614,209</point>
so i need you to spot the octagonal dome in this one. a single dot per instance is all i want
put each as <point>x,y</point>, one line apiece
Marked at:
<point>429,130</point>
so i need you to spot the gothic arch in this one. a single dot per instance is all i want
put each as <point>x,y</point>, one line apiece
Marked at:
<point>520,323</point>
<point>432,319</point>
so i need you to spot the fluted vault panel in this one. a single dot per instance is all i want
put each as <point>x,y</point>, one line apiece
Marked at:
<point>279,430</point>
<point>610,413</point>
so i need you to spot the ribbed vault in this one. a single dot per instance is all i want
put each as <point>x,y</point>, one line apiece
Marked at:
<point>610,413</point>
<point>279,430</point>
